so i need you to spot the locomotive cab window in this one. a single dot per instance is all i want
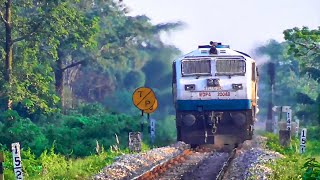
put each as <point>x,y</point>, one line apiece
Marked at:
<point>196,67</point>
<point>230,66</point>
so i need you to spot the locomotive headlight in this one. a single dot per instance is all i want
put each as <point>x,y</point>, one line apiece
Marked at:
<point>238,118</point>
<point>190,87</point>
<point>189,120</point>
<point>237,86</point>
<point>213,82</point>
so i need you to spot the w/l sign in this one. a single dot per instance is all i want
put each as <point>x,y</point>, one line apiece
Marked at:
<point>17,166</point>
<point>303,140</point>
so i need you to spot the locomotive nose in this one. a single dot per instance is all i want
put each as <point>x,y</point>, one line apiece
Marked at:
<point>238,118</point>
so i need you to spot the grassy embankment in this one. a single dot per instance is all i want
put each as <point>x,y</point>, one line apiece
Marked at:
<point>295,165</point>
<point>55,166</point>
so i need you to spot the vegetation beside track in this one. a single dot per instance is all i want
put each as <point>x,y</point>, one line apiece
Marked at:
<point>295,165</point>
<point>51,165</point>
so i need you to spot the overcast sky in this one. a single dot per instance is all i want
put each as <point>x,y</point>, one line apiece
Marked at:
<point>243,24</point>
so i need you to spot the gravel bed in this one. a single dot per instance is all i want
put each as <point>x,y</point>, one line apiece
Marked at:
<point>250,161</point>
<point>209,168</point>
<point>132,165</point>
<point>178,171</point>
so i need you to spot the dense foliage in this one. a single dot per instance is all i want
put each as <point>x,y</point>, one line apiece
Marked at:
<point>294,86</point>
<point>69,70</point>
<point>50,165</point>
<point>296,83</point>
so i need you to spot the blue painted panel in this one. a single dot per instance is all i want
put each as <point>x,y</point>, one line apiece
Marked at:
<point>223,46</point>
<point>210,105</point>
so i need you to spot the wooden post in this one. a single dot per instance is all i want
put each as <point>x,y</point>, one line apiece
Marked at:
<point>285,137</point>
<point>1,166</point>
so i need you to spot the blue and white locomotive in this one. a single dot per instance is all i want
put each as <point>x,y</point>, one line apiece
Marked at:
<point>215,95</point>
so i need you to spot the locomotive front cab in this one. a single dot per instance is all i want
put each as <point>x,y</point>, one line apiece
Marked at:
<point>214,94</point>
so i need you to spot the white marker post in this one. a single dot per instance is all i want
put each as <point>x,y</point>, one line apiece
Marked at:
<point>288,112</point>
<point>15,147</point>
<point>289,120</point>
<point>303,140</point>
<point>275,127</point>
<point>152,130</point>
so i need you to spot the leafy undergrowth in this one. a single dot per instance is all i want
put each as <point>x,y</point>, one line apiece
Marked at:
<point>51,165</point>
<point>295,165</point>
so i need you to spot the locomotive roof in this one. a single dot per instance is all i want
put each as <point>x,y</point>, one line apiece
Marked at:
<point>203,51</point>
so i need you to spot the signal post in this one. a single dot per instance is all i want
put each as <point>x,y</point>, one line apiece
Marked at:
<point>145,100</point>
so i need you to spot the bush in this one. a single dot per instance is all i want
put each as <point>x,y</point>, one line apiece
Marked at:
<point>77,134</point>
<point>51,165</point>
<point>286,168</point>
<point>273,143</point>
<point>312,169</point>
<point>74,135</point>
<point>166,131</point>
<point>23,131</point>
<point>313,133</point>
<point>294,165</point>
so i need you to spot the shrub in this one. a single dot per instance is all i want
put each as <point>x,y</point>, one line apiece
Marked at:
<point>51,165</point>
<point>312,169</point>
<point>294,165</point>
<point>23,131</point>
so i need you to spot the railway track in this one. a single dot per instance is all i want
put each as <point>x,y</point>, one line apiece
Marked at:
<point>200,163</point>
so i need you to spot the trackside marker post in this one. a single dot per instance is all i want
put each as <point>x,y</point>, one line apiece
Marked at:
<point>145,100</point>
<point>303,140</point>
<point>288,111</point>
<point>135,141</point>
<point>17,165</point>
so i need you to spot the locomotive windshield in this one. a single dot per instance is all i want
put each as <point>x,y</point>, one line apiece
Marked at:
<point>196,67</point>
<point>230,66</point>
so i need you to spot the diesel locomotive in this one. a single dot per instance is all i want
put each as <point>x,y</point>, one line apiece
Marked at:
<point>215,95</point>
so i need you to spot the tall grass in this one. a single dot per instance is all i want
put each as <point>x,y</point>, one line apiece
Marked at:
<point>51,165</point>
<point>294,165</point>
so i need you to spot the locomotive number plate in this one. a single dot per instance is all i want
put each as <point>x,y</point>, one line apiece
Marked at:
<point>224,93</point>
<point>204,94</point>
<point>213,88</point>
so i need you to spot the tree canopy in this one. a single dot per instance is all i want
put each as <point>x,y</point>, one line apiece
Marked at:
<point>297,67</point>
<point>58,57</point>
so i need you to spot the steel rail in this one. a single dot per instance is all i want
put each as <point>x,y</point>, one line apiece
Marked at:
<point>226,165</point>
<point>160,168</point>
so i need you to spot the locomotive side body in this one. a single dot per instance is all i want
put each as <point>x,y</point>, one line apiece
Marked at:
<point>214,95</point>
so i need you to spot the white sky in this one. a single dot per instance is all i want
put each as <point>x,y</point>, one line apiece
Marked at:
<point>243,24</point>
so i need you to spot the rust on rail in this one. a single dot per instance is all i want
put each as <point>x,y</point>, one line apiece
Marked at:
<point>161,168</point>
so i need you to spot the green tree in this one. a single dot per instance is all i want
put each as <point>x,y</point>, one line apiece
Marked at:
<point>291,86</point>
<point>46,32</point>
<point>304,44</point>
